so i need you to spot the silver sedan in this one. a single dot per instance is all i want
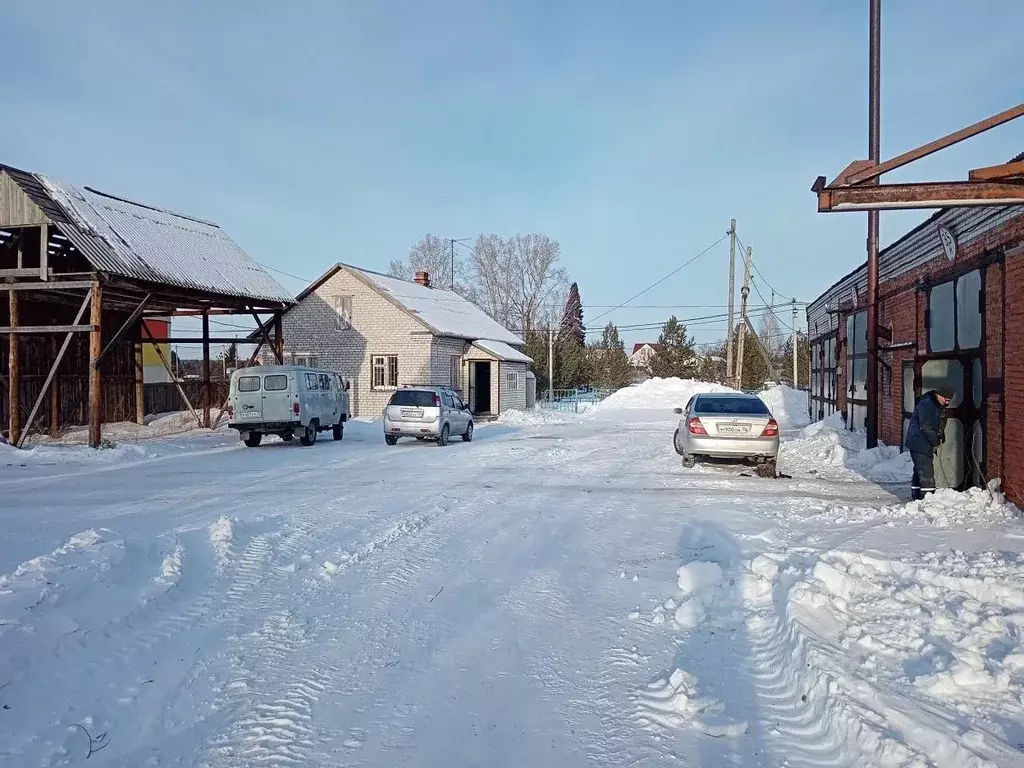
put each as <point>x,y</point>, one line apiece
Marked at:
<point>727,425</point>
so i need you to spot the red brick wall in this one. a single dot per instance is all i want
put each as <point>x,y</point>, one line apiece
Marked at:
<point>902,308</point>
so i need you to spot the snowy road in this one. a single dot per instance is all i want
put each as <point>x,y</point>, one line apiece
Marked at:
<point>506,602</point>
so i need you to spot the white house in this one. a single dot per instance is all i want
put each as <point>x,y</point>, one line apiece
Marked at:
<point>381,333</point>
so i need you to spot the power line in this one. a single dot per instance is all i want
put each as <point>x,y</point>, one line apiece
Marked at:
<point>758,271</point>
<point>282,272</point>
<point>662,280</point>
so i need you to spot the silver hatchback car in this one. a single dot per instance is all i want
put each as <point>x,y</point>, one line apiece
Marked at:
<point>427,413</point>
<point>727,425</point>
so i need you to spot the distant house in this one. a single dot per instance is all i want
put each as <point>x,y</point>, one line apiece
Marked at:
<point>381,333</point>
<point>642,354</point>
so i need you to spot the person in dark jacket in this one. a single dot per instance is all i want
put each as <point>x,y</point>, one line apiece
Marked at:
<point>924,435</point>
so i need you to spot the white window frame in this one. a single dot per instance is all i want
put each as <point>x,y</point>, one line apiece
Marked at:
<point>307,359</point>
<point>388,367</point>
<point>343,309</point>
<point>511,381</point>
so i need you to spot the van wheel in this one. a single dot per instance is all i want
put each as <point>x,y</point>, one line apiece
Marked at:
<point>309,436</point>
<point>442,439</point>
<point>253,440</point>
<point>468,437</point>
<point>390,439</point>
<point>339,431</point>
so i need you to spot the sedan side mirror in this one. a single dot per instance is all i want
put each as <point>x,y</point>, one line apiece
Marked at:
<point>677,411</point>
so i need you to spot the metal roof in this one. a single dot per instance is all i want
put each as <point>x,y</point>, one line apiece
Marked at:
<point>137,241</point>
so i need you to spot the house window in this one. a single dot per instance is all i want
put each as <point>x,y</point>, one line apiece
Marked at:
<point>343,308</point>
<point>385,371</point>
<point>455,369</point>
<point>305,358</point>
<point>512,381</point>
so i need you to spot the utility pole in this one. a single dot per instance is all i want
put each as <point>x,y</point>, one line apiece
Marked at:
<point>874,150</point>
<point>744,292</point>
<point>732,295</point>
<point>796,381</point>
<point>551,363</point>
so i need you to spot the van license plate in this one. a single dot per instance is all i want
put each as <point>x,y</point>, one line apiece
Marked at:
<point>412,414</point>
<point>733,429</point>
<point>249,415</point>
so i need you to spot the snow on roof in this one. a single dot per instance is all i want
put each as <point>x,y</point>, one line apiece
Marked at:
<point>444,311</point>
<point>502,351</point>
<point>138,241</point>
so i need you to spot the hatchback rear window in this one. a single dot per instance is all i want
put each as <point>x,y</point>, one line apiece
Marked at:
<point>249,384</point>
<point>275,383</point>
<point>732,406</point>
<point>418,398</point>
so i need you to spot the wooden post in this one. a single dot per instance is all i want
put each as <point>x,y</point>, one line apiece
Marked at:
<point>278,338</point>
<point>140,385</point>
<point>44,252</point>
<point>95,379</point>
<point>206,370</point>
<point>54,394</point>
<point>14,373</point>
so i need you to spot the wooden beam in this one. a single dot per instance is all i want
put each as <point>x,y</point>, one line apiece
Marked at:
<point>22,329</point>
<point>133,318</point>
<point>44,253</point>
<point>279,337</point>
<point>167,367</point>
<point>54,394</point>
<point>14,377</point>
<point>53,285</point>
<point>95,378</point>
<point>206,370</point>
<point>262,328</point>
<point>21,271</point>
<point>928,195</point>
<point>140,385</point>
<point>996,172</point>
<point>51,375</point>
<point>949,140</point>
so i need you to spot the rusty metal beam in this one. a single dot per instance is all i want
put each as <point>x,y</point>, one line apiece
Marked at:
<point>997,172</point>
<point>859,177</point>
<point>921,195</point>
<point>200,340</point>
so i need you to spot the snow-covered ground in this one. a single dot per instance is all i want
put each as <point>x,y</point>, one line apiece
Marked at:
<point>198,603</point>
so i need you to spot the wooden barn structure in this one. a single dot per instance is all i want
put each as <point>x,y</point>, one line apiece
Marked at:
<point>79,272</point>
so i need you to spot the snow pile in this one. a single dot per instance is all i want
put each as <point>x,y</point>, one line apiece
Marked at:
<point>533,417</point>
<point>788,405</point>
<point>67,454</point>
<point>222,534</point>
<point>155,426</point>
<point>676,701</point>
<point>828,445</point>
<point>947,507</point>
<point>657,393</point>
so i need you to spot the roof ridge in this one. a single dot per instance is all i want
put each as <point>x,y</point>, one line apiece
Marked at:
<point>403,280</point>
<point>136,203</point>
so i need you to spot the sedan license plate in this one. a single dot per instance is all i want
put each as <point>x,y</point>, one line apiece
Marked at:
<point>412,414</point>
<point>733,429</point>
<point>249,415</point>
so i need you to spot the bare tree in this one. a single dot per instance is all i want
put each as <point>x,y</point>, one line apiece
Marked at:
<point>518,279</point>
<point>434,255</point>
<point>769,333</point>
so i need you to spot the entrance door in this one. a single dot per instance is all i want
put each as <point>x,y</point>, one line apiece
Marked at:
<point>481,386</point>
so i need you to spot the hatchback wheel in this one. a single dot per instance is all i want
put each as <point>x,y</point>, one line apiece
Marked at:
<point>339,431</point>
<point>390,439</point>
<point>468,437</point>
<point>442,439</point>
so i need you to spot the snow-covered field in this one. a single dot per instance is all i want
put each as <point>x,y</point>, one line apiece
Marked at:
<point>190,602</point>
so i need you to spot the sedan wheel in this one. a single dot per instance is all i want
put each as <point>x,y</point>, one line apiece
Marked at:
<point>675,442</point>
<point>689,461</point>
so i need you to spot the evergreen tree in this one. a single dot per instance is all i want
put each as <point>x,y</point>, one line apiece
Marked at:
<point>537,348</point>
<point>675,354</point>
<point>611,368</point>
<point>572,317</point>
<point>572,366</point>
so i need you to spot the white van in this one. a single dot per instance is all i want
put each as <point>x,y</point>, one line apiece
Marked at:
<point>287,399</point>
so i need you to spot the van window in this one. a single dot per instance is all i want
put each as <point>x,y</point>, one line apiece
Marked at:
<point>416,397</point>
<point>325,382</point>
<point>312,382</point>
<point>248,383</point>
<point>275,382</point>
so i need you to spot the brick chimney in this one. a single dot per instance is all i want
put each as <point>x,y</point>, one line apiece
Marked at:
<point>423,278</point>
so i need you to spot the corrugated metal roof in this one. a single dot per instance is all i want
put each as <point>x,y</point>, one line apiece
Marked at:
<point>919,246</point>
<point>137,241</point>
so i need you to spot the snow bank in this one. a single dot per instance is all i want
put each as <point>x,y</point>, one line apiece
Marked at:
<point>67,454</point>
<point>828,445</point>
<point>534,417</point>
<point>159,425</point>
<point>657,393</point>
<point>788,405</point>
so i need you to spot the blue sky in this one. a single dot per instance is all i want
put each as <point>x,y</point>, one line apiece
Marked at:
<point>631,132</point>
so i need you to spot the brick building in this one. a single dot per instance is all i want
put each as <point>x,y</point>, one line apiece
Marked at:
<point>381,333</point>
<point>944,319</point>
